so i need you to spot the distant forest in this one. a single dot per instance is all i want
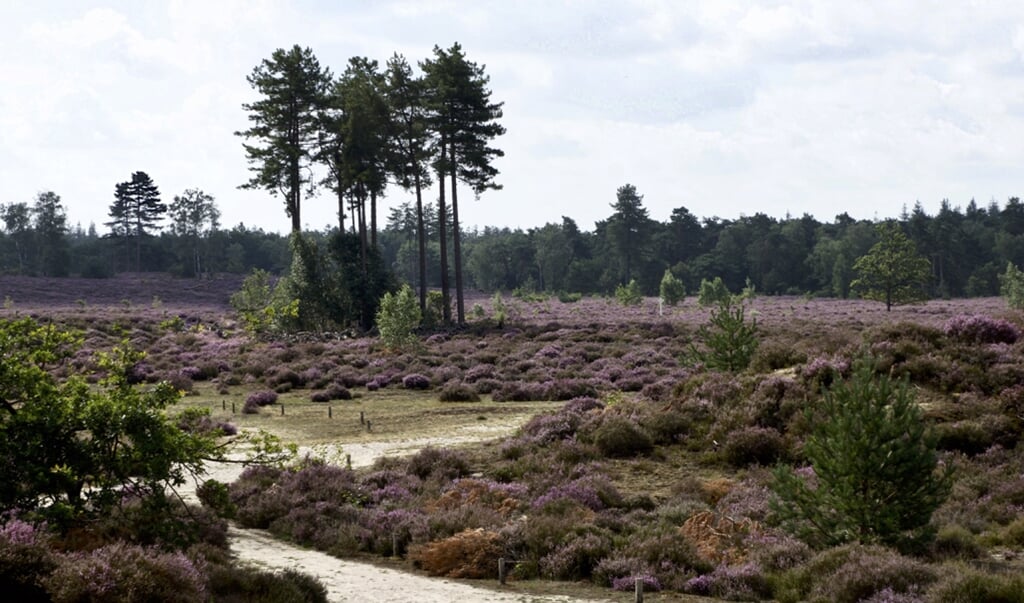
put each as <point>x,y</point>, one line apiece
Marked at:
<point>968,248</point>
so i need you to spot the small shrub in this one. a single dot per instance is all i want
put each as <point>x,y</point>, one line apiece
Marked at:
<point>250,408</point>
<point>629,294</point>
<point>729,337</point>
<point>978,328</point>
<point>236,583</point>
<point>458,392</point>
<point>262,398</point>
<point>397,319</point>
<point>468,554</point>
<point>753,445</point>
<point>671,289</point>
<point>442,463</point>
<point>620,437</point>
<point>712,292</point>
<point>123,572</point>
<point>960,583</point>
<point>955,542</point>
<point>415,381</point>
<point>852,573</point>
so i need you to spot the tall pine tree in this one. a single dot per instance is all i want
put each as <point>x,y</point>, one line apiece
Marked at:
<point>285,125</point>
<point>136,212</point>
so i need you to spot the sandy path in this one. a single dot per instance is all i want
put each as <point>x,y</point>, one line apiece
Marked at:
<point>351,580</point>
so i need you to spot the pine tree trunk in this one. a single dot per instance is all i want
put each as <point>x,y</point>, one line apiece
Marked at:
<point>422,236</point>
<point>373,219</point>
<point>443,234</point>
<point>341,207</point>
<point>457,242</point>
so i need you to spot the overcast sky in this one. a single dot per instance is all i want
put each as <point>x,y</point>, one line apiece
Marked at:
<point>726,108</point>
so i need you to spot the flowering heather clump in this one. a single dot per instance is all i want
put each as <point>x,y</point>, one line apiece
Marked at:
<point>372,385</point>
<point>16,531</point>
<point>628,583</point>
<point>753,445</point>
<point>479,371</point>
<point>576,558</point>
<point>262,398</point>
<point>567,389</point>
<point>123,572</point>
<point>192,372</point>
<point>582,404</point>
<point>458,392</point>
<point>543,429</point>
<point>978,328</point>
<point>594,492</point>
<point>552,350</point>
<point>823,370</point>
<point>852,573</point>
<point>415,381</point>
<point>744,582</point>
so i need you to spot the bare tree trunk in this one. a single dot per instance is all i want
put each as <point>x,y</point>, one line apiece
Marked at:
<point>341,207</point>
<point>457,241</point>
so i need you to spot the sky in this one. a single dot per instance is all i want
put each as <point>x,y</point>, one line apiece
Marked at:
<point>725,108</point>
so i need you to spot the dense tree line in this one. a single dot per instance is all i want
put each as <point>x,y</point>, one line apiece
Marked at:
<point>967,248</point>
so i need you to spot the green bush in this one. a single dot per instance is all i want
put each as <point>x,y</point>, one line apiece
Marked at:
<point>753,445</point>
<point>1011,286</point>
<point>629,294</point>
<point>397,319</point>
<point>712,292</point>
<point>729,338</point>
<point>620,437</point>
<point>672,290</point>
<point>868,443</point>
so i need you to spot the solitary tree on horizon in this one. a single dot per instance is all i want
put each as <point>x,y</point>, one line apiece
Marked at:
<point>136,211</point>
<point>892,271</point>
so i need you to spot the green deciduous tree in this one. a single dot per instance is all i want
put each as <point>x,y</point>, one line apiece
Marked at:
<point>50,223</point>
<point>71,451</point>
<point>876,476</point>
<point>17,218</point>
<point>194,217</point>
<point>285,125</point>
<point>892,271</point>
<point>1011,286</point>
<point>397,319</point>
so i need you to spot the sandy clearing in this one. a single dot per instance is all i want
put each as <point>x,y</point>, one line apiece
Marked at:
<point>351,580</point>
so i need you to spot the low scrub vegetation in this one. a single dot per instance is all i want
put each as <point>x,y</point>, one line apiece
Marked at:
<point>651,467</point>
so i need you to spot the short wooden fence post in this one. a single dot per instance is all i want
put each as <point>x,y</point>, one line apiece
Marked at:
<point>501,570</point>
<point>638,589</point>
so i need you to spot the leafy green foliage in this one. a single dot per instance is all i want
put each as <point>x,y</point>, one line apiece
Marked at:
<point>712,292</point>
<point>1011,286</point>
<point>875,471</point>
<point>398,318</point>
<point>71,450</point>
<point>892,272</point>
<point>261,308</point>
<point>729,337</point>
<point>672,290</point>
<point>629,294</point>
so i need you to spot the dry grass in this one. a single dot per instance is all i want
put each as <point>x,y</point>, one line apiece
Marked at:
<point>393,414</point>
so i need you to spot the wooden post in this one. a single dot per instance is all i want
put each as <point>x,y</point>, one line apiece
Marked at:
<point>362,420</point>
<point>282,410</point>
<point>638,594</point>
<point>329,412</point>
<point>348,461</point>
<point>223,404</point>
<point>368,425</point>
<point>501,571</point>
<point>232,408</point>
